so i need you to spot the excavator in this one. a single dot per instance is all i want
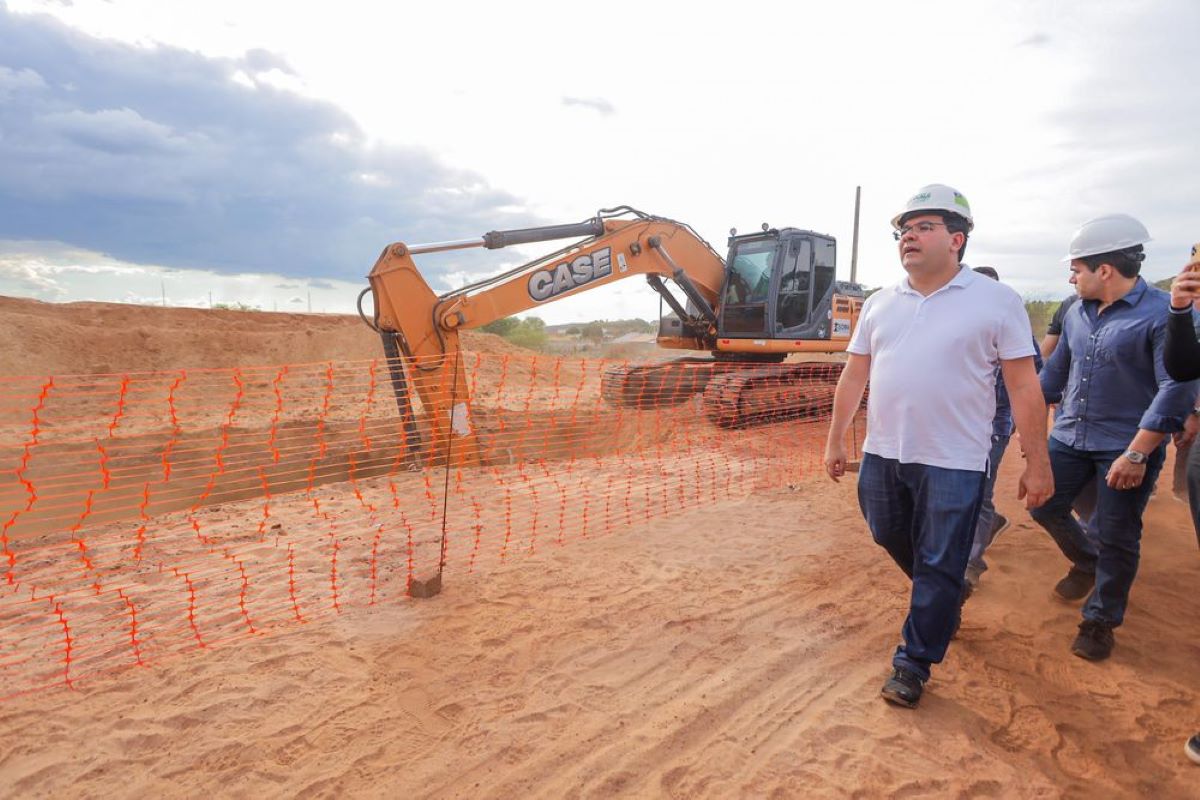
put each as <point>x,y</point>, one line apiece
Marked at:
<point>775,294</point>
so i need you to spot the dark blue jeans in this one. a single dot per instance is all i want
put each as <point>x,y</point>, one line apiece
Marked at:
<point>925,518</point>
<point>1117,521</point>
<point>987,511</point>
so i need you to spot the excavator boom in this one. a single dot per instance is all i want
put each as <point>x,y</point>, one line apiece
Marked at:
<point>776,296</point>
<point>421,329</point>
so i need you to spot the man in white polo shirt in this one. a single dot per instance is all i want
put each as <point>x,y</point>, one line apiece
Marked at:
<point>930,345</point>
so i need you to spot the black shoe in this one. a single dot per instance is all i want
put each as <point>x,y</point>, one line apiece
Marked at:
<point>1192,748</point>
<point>1076,585</point>
<point>999,523</point>
<point>903,688</point>
<point>1094,642</point>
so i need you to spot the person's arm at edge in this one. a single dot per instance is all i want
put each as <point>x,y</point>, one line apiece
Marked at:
<point>1181,353</point>
<point>1167,414</point>
<point>1054,330</point>
<point>1049,342</point>
<point>1029,413</point>
<point>846,399</point>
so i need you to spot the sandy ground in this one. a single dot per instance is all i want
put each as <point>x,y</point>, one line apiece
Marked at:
<point>735,649</point>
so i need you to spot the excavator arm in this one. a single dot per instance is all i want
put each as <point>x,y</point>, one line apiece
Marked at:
<point>420,329</point>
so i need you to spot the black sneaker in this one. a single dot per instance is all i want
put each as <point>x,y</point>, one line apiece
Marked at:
<point>1192,748</point>
<point>903,688</point>
<point>1094,642</point>
<point>1076,585</point>
<point>999,523</point>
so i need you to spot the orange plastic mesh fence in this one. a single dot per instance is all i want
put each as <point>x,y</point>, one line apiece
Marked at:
<point>147,515</point>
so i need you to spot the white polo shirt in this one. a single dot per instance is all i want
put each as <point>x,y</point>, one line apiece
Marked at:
<point>933,359</point>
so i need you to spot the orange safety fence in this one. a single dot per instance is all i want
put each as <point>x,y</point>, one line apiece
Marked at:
<point>147,515</point>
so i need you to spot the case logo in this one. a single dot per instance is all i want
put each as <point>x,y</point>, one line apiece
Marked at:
<point>579,271</point>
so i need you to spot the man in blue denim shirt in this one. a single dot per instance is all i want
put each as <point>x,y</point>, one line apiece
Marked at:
<point>1118,407</point>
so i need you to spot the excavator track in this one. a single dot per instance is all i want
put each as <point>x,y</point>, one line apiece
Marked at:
<point>655,385</point>
<point>770,393</point>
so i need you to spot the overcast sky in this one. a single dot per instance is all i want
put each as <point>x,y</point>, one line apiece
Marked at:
<point>265,152</point>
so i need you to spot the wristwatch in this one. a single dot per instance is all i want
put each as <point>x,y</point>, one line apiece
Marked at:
<point>1134,457</point>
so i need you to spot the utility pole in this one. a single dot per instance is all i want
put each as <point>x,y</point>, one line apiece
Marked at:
<point>310,301</point>
<point>854,245</point>
<point>162,283</point>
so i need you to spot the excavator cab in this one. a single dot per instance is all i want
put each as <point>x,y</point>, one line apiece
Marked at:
<point>778,285</point>
<point>780,294</point>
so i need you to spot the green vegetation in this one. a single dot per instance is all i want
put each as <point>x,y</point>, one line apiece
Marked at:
<point>529,332</point>
<point>593,331</point>
<point>502,327</point>
<point>1040,312</point>
<point>532,332</point>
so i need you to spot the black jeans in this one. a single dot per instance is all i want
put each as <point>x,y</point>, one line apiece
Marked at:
<point>1118,522</point>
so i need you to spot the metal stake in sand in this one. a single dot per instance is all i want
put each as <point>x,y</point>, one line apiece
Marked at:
<point>433,586</point>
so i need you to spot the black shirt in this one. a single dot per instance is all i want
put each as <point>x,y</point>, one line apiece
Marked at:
<point>1056,322</point>
<point>1181,353</point>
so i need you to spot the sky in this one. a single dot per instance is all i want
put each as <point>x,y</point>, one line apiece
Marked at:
<point>264,153</point>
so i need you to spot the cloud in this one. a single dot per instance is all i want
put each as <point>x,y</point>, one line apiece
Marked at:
<point>1128,129</point>
<point>1035,40</point>
<point>54,272</point>
<point>17,80</point>
<point>164,156</point>
<point>597,104</point>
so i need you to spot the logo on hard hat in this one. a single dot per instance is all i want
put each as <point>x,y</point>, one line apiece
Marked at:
<point>959,200</point>
<point>919,198</point>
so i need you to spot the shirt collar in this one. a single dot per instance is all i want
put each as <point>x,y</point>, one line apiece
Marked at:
<point>965,277</point>
<point>1135,295</point>
<point>1131,298</point>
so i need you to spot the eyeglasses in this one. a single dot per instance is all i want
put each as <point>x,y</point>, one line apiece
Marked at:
<point>920,227</point>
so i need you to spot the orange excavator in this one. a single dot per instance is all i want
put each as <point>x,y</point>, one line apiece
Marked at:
<point>775,294</point>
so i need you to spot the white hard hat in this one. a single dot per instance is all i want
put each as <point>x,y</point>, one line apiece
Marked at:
<point>1106,234</point>
<point>937,197</point>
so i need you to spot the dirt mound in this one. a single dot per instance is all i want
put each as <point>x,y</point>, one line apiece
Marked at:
<point>86,338</point>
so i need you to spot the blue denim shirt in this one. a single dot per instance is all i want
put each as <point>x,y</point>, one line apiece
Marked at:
<point>1002,423</point>
<point>1108,371</point>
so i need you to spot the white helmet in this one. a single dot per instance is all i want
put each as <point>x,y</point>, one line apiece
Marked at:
<point>1106,234</point>
<point>937,197</point>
